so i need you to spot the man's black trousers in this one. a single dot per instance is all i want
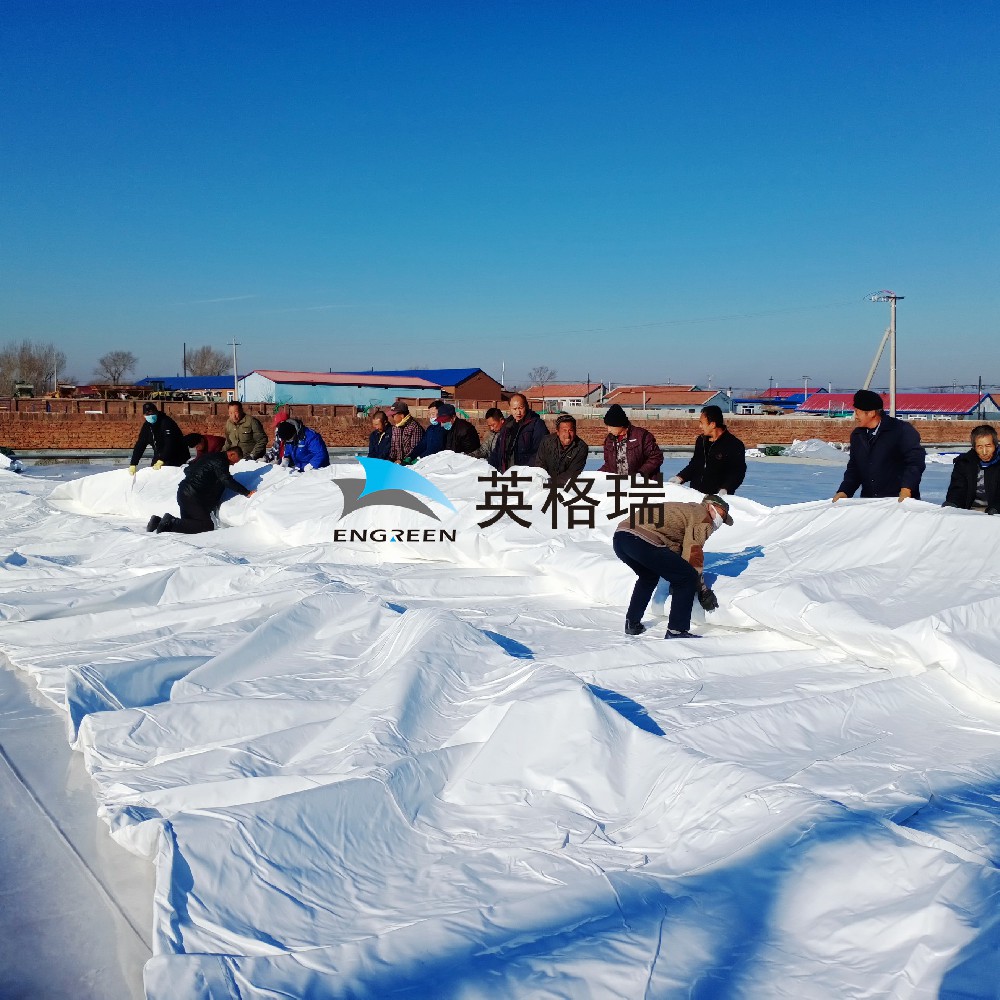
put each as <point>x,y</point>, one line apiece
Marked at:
<point>649,562</point>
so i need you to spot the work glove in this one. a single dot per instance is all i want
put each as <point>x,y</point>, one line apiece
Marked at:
<point>158,465</point>
<point>707,599</point>
<point>132,469</point>
<point>308,468</point>
<point>992,510</point>
<point>675,479</point>
<point>286,462</point>
<point>723,493</point>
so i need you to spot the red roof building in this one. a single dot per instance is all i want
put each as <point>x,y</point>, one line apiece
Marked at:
<point>961,405</point>
<point>660,397</point>
<point>562,395</point>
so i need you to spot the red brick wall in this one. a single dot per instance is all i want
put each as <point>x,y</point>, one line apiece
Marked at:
<point>26,425</point>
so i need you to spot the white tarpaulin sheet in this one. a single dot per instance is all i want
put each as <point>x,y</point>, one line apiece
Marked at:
<point>439,769</point>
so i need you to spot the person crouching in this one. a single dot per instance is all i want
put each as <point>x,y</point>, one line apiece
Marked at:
<point>670,545</point>
<point>304,448</point>
<point>200,493</point>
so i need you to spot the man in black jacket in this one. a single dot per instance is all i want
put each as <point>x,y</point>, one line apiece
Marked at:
<point>165,437</point>
<point>459,435</point>
<point>887,458</point>
<point>719,463</point>
<point>562,455</point>
<point>975,480</point>
<point>200,493</point>
<point>520,436</point>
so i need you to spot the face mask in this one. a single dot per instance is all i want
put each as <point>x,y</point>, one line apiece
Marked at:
<point>716,517</point>
<point>151,418</point>
<point>447,426</point>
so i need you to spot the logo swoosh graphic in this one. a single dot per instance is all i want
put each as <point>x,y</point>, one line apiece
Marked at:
<point>382,475</point>
<point>355,499</point>
<point>389,485</point>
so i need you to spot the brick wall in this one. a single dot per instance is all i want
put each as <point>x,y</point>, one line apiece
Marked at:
<point>97,424</point>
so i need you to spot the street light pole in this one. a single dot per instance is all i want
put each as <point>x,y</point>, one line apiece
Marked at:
<point>236,377</point>
<point>892,298</point>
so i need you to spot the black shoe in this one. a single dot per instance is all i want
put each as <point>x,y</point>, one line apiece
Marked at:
<point>166,523</point>
<point>671,634</point>
<point>634,628</point>
<point>153,523</point>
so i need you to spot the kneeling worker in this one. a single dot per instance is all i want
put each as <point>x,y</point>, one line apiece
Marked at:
<point>672,547</point>
<point>200,493</point>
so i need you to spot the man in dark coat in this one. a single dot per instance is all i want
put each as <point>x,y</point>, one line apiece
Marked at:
<point>459,435</point>
<point>975,479</point>
<point>629,450</point>
<point>719,463</point>
<point>562,455</point>
<point>163,435</point>
<point>887,459</point>
<point>433,440</point>
<point>380,439</point>
<point>200,493</point>
<point>522,432</point>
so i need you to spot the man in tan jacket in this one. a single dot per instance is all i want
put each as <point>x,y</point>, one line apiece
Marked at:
<point>245,432</point>
<point>670,544</point>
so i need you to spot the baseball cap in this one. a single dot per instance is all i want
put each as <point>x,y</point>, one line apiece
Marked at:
<point>399,407</point>
<point>716,501</point>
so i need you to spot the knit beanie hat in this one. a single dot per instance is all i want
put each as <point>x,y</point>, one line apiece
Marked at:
<point>615,417</point>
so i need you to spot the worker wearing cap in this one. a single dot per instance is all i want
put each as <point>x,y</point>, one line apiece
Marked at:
<point>887,458</point>
<point>670,544</point>
<point>406,434</point>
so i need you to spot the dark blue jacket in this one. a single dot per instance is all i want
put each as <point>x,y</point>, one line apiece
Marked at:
<point>379,443</point>
<point>307,448</point>
<point>894,459</point>
<point>431,443</point>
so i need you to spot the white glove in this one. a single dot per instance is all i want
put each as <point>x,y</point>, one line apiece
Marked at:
<point>308,468</point>
<point>675,479</point>
<point>722,493</point>
<point>286,462</point>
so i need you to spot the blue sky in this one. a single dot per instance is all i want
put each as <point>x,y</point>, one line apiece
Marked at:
<point>638,191</point>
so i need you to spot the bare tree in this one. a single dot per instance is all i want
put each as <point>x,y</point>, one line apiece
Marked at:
<point>115,365</point>
<point>541,375</point>
<point>26,361</point>
<point>208,361</point>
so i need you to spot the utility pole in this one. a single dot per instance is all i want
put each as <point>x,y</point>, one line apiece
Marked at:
<point>184,359</point>
<point>236,377</point>
<point>892,298</point>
